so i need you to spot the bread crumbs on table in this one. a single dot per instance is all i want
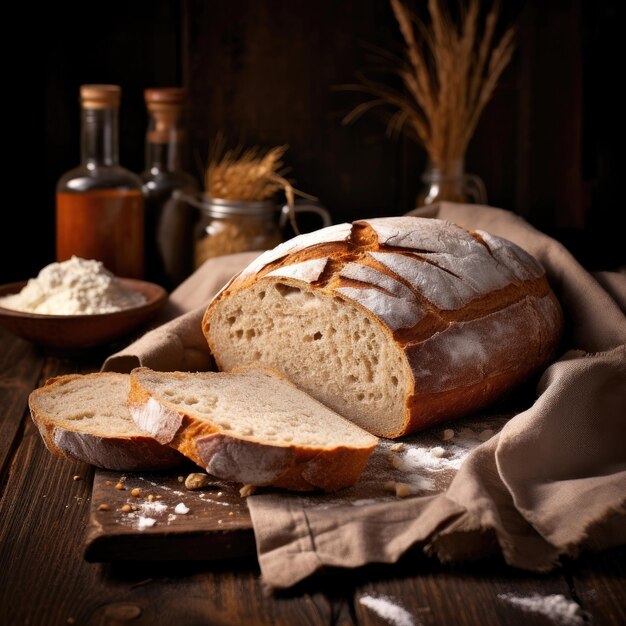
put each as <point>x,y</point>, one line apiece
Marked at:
<point>447,434</point>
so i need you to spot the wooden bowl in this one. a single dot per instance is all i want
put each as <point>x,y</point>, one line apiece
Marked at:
<point>76,332</point>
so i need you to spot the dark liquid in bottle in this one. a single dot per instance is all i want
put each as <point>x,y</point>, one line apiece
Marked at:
<point>103,224</point>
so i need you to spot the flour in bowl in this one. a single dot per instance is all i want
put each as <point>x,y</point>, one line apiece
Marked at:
<point>74,287</point>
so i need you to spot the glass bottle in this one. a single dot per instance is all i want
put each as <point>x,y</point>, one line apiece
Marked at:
<point>168,222</point>
<point>447,180</point>
<point>99,204</point>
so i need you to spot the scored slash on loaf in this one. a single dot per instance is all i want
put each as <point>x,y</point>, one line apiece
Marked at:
<point>396,323</point>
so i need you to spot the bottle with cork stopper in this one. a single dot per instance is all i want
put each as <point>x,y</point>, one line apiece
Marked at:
<point>99,204</point>
<point>168,221</point>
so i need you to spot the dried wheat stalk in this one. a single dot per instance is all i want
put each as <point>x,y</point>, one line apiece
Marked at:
<point>450,73</point>
<point>250,175</point>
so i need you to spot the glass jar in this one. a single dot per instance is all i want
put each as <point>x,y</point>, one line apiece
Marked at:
<point>447,180</point>
<point>229,226</point>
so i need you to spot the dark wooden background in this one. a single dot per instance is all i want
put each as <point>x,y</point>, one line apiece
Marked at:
<point>266,71</point>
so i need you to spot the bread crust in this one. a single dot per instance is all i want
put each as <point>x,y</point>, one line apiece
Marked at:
<point>249,461</point>
<point>429,286</point>
<point>121,453</point>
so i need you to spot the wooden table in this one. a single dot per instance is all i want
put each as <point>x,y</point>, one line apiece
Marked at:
<point>45,580</point>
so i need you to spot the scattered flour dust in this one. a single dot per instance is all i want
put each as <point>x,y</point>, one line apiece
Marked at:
<point>146,515</point>
<point>387,609</point>
<point>74,287</point>
<point>421,464</point>
<point>556,607</point>
<point>449,454</point>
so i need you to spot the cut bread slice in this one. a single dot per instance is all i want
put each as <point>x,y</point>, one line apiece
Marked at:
<point>86,417</point>
<point>250,426</point>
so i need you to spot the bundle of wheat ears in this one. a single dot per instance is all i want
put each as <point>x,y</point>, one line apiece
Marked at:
<point>450,72</point>
<point>250,175</point>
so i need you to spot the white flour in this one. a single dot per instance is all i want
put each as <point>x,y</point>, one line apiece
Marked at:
<point>387,609</point>
<point>152,508</point>
<point>74,287</point>
<point>145,522</point>
<point>556,607</point>
<point>448,455</point>
<point>145,515</point>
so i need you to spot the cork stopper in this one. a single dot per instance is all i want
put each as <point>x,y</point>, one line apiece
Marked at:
<point>173,96</point>
<point>100,96</point>
<point>165,104</point>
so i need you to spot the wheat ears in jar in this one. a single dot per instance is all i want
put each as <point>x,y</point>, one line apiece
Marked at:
<point>250,175</point>
<point>449,74</point>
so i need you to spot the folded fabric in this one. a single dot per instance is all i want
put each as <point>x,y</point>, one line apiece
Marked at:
<point>178,343</point>
<point>533,485</point>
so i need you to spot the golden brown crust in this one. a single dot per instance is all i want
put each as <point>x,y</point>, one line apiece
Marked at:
<point>290,467</point>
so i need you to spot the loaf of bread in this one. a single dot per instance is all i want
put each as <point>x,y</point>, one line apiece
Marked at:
<point>395,323</point>
<point>251,427</point>
<point>87,418</point>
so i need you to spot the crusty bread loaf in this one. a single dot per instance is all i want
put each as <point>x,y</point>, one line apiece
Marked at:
<point>87,418</point>
<point>396,323</point>
<point>251,426</point>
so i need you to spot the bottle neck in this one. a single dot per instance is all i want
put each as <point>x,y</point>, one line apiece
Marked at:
<point>164,157</point>
<point>99,137</point>
<point>444,171</point>
<point>164,140</point>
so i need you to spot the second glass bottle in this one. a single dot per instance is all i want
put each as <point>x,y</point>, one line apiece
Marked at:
<point>168,222</point>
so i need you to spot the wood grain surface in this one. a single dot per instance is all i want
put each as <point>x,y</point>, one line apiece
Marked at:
<point>216,526</point>
<point>45,579</point>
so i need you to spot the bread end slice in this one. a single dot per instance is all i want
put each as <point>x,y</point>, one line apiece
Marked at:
<point>250,426</point>
<point>85,417</point>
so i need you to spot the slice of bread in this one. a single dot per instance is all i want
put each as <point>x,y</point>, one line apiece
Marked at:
<point>250,426</point>
<point>87,418</point>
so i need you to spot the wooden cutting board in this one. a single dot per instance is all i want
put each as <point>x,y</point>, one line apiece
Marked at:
<point>217,525</point>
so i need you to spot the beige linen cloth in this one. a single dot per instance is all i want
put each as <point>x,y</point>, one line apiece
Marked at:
<point>550,482</point>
